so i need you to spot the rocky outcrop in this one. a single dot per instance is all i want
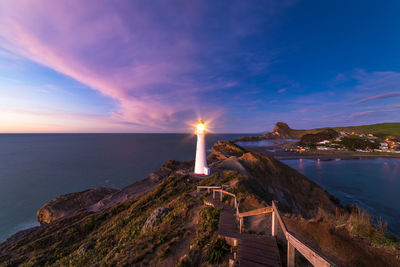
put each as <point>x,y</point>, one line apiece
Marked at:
<point>225,149</point>
<point>68,204</point>
<point>155,218</point>
<point>140,187</point>
<point>281,131</point>
<point>95,200</point>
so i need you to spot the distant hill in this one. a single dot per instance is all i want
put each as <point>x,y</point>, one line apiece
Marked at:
<point>283,131</point>
<point>379,129</point>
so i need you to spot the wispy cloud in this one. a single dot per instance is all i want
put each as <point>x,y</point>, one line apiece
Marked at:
<point>281,90</point>
<point>148,59</point>
<point>304,110</point>
<point>377,97</point>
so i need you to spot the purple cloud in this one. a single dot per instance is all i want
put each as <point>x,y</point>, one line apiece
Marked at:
<point>144,56</point>
<point>377,97</point>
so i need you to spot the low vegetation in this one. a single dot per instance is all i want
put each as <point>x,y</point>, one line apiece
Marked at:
<point>361,223</point>
<point>356,142</point>
<point>207,247</point>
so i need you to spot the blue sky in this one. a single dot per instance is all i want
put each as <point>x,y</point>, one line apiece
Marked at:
<point>139,66</point>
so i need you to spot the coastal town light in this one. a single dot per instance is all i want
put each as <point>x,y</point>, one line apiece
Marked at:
<point>200,166</point>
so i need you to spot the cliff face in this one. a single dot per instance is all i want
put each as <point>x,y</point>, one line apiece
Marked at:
<point>280,131</point>
<point>283,131</point>
<point>159,221</point>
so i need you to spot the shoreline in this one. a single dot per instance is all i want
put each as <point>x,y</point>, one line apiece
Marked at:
<point>281,154</point>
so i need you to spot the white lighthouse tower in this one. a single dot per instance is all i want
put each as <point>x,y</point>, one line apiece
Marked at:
<point>200,166</point>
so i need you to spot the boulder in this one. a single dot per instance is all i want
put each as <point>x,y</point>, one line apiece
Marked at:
<point>68,204</point>
<point>85,247</point>
<point>155,218</point>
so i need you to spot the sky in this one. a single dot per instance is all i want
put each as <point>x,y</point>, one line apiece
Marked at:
<point>159,66</point>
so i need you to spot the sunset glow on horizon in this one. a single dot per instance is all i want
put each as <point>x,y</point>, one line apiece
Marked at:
<point>138,66</point>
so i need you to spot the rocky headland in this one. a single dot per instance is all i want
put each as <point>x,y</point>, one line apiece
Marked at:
<point>161,220</point>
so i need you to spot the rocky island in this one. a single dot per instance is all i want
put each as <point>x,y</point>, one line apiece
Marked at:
<point>162,220</point>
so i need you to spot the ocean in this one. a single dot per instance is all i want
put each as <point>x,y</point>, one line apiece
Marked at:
<point>35,168</point>
<point>372,184</point>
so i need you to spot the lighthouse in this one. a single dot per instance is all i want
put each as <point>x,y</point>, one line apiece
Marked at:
<point>200,166</point>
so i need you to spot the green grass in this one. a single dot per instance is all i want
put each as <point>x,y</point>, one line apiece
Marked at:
<point>363,224</point>
<point>206,245</point>
<point>216,250</point>
<point>379,129</point>
<point>117,234</point>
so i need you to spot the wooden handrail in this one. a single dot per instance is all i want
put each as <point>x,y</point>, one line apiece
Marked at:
<point>256,212</point>
<point>199,187</point>
<point>221,191</point>
<point>225,192</point>
<point>293,243</point>
<point>278,215</point>
<point>311,255</point>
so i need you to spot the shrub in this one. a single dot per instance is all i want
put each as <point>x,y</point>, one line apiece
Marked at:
<point>216,250</point>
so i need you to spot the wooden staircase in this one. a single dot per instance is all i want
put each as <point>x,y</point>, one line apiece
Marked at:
<point>251,250</point>
<point>257,250</point>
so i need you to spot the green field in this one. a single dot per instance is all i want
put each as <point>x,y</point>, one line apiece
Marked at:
<point>380,130</point>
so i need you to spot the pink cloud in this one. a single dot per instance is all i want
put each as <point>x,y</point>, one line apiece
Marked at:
<point>91,43</point>
<point>304,110</point>
<point>377,97</point>
<point>156,60</point>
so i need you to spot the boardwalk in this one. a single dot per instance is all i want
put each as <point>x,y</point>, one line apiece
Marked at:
<point>252,250</point>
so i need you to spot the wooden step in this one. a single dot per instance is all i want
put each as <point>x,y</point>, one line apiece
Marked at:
<point>253,250</point>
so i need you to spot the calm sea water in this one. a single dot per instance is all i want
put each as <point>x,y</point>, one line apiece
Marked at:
<point>34,168</point>
<point>373,184</point>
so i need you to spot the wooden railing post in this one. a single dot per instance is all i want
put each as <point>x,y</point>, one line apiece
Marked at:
<point>290,254</point>
<point>274,226</point>
<point>208,190</point>
<point>221,195</point>
<point>240,224</point>
<point>213,194</point>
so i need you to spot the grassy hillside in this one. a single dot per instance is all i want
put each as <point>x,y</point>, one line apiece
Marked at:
<point>282,130</point>
<point>380,129</point>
